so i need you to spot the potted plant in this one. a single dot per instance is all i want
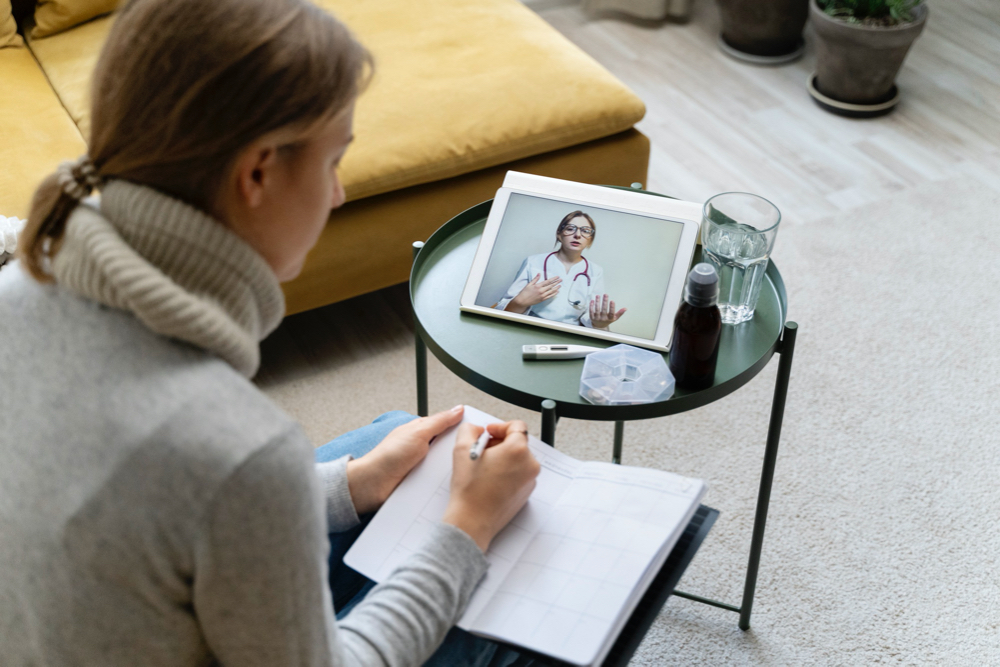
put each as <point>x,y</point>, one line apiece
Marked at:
<point>765,32</point>
<point>860,46</point>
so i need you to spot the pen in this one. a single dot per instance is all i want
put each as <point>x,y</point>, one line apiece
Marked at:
<point>480,445</point>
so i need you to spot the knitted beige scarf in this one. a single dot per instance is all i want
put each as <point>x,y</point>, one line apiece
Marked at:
<point>179,271</point>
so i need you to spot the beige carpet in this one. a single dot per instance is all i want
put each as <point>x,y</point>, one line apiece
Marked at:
<point>883,538</point>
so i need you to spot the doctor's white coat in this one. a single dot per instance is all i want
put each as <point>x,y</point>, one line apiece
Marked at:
<point>559,308</point>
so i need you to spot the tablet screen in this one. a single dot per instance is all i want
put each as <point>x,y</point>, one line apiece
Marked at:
<point>628,256</point>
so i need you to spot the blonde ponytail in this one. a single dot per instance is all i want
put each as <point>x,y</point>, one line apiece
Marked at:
<point>51,206</point>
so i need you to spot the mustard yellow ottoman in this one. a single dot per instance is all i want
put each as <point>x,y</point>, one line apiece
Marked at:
<point>463,91</point>
<point>35,132</point>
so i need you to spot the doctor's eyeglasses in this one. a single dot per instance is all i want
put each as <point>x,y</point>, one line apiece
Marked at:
<point>587,232</point>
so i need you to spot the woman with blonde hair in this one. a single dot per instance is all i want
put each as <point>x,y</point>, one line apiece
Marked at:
<point>155,507</point>
<point>563,285</point>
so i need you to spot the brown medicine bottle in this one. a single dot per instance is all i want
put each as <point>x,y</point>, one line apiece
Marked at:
<point>694,349</point>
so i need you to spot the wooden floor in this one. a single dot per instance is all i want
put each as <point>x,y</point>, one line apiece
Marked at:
<point>717,124</point>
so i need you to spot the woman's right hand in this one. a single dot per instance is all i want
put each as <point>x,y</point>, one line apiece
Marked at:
<point>534,292</point>
<point>487,492</point>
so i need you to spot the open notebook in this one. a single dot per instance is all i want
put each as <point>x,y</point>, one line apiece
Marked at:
<point>566,573</point>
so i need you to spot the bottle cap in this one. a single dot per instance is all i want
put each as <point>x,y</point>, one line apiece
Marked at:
<point>702,287</point>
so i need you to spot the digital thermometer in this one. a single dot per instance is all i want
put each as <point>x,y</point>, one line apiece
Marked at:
<point>557,351</point>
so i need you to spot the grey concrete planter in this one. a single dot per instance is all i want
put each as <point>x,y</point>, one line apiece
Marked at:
<point>857,65</point>
<point>765,30</point>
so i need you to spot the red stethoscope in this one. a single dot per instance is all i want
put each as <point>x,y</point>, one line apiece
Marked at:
<point>585,273</point>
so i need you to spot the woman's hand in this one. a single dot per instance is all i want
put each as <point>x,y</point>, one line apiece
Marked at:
<point>534,292</point>
<point>487,492</point>
<point>602,312</point>
<point>375,475</point>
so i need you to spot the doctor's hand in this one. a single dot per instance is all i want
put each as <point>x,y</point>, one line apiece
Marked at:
<point>487,492</point>
<point>375,475</point>
<point>602,312</point>
<point>536,291</point>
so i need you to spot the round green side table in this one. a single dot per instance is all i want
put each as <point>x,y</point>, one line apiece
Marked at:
<point>486,352</point>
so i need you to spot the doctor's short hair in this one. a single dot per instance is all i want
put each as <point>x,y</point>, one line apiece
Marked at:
<point>182,87</point>
<point>577,214</point>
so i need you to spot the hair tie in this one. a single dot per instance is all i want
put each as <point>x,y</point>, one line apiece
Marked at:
<point>78,179</point>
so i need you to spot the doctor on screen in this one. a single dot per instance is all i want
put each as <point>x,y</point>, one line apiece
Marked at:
<point>563,285</point>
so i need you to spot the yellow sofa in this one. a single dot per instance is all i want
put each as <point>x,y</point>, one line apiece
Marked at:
<point>464,90</point>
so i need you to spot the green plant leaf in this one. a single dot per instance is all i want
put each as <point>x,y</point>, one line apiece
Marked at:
<point>900,11</point>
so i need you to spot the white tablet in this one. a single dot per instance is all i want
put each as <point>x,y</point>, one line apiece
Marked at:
<point>551,249</point>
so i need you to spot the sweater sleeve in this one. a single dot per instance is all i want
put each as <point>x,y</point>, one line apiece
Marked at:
<point>341,514</point>
<point>260,586</point>
<point>415,606</point>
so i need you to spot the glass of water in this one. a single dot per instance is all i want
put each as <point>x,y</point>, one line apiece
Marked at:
<point>737,235</point>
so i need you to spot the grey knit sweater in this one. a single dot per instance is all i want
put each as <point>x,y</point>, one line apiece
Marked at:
<point>155,507</point>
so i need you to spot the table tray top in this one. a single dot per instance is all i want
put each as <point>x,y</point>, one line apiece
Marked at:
<point>486,351</point>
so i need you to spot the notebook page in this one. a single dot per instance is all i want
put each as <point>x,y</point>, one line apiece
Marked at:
<point>574,585</point>
<point>666,512</point>
<point>404,521</point>
<point>419,502</point>
<point>508,548</point>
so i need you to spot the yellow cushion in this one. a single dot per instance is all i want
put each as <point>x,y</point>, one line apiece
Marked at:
<point>465,84</point>
<point>68,60</point>
<point>460,85</point>
<point>55,16</point>
<point>35,132</point>
<point>8,27</point>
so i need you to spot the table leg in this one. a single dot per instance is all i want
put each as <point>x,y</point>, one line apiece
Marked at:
<point>549,422</point>
<point>421,355</point>
<point>421,350</point>
<point>786,349</point>
<point>616,457</point>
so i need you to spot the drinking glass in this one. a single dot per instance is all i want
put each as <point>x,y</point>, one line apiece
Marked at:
<point>737,235</point>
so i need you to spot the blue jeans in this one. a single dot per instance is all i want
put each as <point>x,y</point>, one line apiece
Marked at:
<point>460,649</point>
